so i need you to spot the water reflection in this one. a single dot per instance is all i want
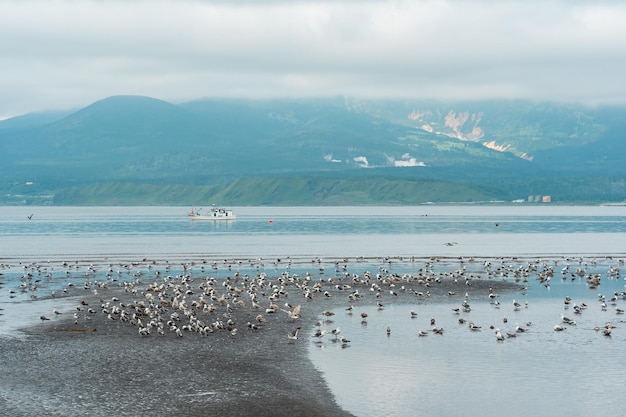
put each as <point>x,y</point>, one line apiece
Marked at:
<point>464,372</point>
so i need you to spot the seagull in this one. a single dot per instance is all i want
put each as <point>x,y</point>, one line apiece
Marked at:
<point>294,334</point>
<point>422,333</point>
<point>413,314</point>
<point>558,328</point>
<point>30,217</point>
<point>293,314</point>
<point>567,320</point>
<point>336,332</point>
<point>437,330</point>
<point>473,326</point>
<point>253,326</point>
<point>319,333</point>
<point>499,336</point>
<point>43,318</point>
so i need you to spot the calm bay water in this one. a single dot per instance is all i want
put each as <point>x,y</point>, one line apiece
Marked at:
<point>542,372</point>
<point>332,231</point>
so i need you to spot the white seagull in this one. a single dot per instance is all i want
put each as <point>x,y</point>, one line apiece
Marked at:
<point>294,334</point>
<point>499,336</point>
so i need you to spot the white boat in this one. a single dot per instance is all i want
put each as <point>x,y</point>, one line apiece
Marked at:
<point>216,213</point>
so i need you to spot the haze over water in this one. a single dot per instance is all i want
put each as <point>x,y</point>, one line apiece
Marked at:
<point>541,372</point>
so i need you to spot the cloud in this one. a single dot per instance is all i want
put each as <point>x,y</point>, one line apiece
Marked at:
<point>63,54</point>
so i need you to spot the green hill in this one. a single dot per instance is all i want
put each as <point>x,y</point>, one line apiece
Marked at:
<point>141,150</point>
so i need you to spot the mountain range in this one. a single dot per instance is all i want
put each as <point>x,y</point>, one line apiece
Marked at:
<point>142,150</point>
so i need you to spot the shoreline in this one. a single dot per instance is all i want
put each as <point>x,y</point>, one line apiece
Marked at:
<point>97,363</point>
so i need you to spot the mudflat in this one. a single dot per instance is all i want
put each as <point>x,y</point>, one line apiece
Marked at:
<point>193,346</point>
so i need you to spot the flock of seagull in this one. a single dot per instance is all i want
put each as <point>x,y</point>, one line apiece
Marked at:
<point>543,275</point>
<point>186,298</point>
<point>564,323</point>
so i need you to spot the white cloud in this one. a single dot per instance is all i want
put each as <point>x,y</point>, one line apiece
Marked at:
<point>67,53</point>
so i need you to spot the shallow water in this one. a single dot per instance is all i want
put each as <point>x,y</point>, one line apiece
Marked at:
<point>465,372</point>
<point>575,372</point>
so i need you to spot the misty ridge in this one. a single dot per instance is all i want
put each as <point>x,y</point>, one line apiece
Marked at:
<point>142,150</point>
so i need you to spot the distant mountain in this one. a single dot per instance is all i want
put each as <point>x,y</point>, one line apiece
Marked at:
<point>507,147</point>
<point>522,128</point>
<point>30,121</point>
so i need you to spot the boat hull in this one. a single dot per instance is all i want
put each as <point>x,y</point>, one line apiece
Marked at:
<point>204,217</point>
<point>215,214</point>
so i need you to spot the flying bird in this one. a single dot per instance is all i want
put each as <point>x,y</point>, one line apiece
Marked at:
<point>294,334</point>
<point>293,314</point>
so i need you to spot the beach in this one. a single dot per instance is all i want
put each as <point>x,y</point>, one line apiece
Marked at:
<point>146,313</point>
<point>91,358</point>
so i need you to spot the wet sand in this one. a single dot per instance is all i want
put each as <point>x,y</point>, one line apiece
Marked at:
<point>69,366</point>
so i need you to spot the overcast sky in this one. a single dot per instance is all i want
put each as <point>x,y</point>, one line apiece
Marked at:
<point>67,54</point>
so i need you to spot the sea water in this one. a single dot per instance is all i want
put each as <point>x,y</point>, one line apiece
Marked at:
<point>314,231</point>
<point>542,372</point>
